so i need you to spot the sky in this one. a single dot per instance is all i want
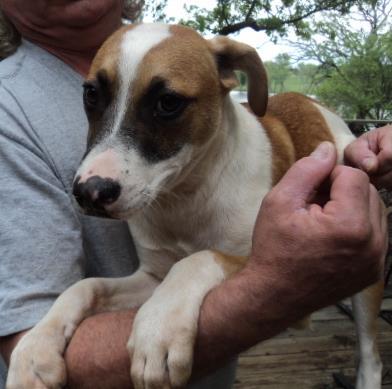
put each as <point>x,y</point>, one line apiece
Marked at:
<point>259,40</point>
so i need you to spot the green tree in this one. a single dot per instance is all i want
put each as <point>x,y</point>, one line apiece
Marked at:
<point>278,72</point>
<point>275,17</point>
<point>307,76</point>
<point>355,65</point>
<point>157,10</point>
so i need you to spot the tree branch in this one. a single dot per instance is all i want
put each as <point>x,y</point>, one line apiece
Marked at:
<point>251,9</point>
<point>258,26</point>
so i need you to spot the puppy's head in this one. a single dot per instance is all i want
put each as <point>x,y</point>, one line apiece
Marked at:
<point>154,99</point>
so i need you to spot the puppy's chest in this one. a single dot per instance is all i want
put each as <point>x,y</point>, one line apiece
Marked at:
<point>225,225</point>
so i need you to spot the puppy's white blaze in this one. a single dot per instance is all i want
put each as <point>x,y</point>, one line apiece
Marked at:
<point>136,43</point>
<point>341,133</point>
<point>104,164</point>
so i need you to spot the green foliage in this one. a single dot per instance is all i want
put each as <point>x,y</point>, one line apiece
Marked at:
<point>275,17</point>
<point>157,10</point>
<point>361,87</point>
<point>283,76</point>
<point>242,79</point>
<point>278,72</point>
<point>355,71</point>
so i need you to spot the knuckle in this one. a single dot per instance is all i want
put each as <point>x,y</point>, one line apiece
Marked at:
<point>348,151</point>
<point>269,200</point>
<point>350,231</point>
<point>275,198</point>
<point>358,175</point>
<point>364,177</point>
<point>359,233</point>
<point>341,169</point>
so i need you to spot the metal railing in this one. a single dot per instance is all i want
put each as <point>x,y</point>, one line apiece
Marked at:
<point>357,126</point>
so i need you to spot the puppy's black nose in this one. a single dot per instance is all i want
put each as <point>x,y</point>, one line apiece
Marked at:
<point>96,192</point>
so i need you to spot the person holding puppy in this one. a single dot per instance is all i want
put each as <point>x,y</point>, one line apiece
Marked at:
<point>45,245</point>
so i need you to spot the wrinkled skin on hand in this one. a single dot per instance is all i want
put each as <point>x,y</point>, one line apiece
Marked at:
<point>319,246</point>
<point>372,153</point>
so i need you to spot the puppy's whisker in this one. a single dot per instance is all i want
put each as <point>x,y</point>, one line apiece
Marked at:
<point>153,203</point>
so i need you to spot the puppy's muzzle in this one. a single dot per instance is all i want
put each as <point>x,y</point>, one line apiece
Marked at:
<point>96,193</point>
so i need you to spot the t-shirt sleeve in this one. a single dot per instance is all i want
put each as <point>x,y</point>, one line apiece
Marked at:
<point>41,249</point>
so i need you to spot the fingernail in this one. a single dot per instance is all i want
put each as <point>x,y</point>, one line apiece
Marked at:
<point>323,150</point>
<point>369,164</point>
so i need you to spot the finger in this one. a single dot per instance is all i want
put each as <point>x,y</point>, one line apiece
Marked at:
<point>303,179</point>
<point>362,154</point>
<point>349,196</point>
<point>385,155</point>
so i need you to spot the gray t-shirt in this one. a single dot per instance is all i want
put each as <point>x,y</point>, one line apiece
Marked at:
<point>45,244</point>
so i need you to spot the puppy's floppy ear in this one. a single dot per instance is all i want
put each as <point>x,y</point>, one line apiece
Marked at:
<point>232,55</point>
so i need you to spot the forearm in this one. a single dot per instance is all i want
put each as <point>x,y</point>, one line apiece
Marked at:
<point>243,311</point>
<point>8,343</point>
<point>97,356</point>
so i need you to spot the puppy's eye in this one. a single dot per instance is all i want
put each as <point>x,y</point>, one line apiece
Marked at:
<point>90,96</point>
<point>170,106</point>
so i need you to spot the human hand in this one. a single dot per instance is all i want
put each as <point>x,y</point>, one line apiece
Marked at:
<point>315,249</point>
<point>372,152</point>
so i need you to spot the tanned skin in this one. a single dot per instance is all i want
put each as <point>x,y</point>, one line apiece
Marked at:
<point>70,30</point>
<point>372,152</point>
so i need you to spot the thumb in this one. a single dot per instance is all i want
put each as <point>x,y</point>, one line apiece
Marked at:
<point>303,179</point>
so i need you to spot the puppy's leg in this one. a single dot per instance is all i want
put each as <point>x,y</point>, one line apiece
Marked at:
<point>366,305</point>
<point>162,340</point>
<point>37,360</point>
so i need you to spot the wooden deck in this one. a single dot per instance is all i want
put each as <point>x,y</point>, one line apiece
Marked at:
<point>307,359</point>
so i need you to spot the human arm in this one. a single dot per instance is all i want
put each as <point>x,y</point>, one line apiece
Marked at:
<point>372,152</point>
<point>8,343</point>
<point>302,256</point>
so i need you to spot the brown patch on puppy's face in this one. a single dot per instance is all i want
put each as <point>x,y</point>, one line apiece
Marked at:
<point>176,95</point>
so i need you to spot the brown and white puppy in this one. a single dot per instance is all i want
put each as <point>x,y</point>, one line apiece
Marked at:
<point>173,154</point>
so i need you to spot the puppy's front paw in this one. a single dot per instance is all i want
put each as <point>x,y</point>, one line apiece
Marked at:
<point>161,344</point>
<point>37,363</point>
